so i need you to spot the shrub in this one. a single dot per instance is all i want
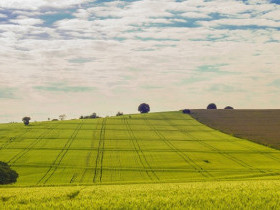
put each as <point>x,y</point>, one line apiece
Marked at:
<point>119,114</point>
<point>7,175</point>
<point>228,107</point>
<point>93,115</point>
<point>212,106</point>
<point>144,108</point>
<point>26,120</point>
<point>186,111</point>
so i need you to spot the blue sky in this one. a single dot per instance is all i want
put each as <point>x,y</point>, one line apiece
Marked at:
<point>82,56</point>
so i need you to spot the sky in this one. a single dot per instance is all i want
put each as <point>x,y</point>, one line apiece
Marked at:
<point>76,57</point>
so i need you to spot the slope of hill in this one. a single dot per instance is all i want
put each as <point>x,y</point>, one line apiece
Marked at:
<point>261,126</point>
<point>156,147</point>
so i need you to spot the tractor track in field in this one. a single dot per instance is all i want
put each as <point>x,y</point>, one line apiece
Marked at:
<point>234,159</point>
<point>266,154</point>
<point>140,153</point>
<point>186,158</point>
<point>12,139</point>
<point>257,151</point>
<point>60,156</point>
<point>89,154</point>
<point>31,145</point>
<point>100,153</point>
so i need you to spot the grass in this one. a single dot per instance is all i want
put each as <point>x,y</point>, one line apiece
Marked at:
<point>162,160</point>
<point>148,148</point>
<point>261,126</point>
<point>199,195</point>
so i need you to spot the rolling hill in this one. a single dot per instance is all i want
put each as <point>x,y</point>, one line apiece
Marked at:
<point>146,148</point>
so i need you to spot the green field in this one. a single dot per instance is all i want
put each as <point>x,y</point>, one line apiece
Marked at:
<point>142,148</point>
<point>148,161</point>
<point>199,195</point>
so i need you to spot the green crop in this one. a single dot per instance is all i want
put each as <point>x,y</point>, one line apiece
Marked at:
<point>256,194</point>
<point>143,148</point>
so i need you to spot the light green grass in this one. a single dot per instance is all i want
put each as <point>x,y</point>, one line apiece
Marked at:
<point>147,148</point>
<point>199,195</point>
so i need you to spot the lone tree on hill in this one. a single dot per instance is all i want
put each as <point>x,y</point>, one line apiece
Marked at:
<point>26,120</point>
<point>62,116</point>
<point>144,108</point>
<point>186,111</point>
<point>228,107</point>
<point>7,175</point>
<point>212,106</point>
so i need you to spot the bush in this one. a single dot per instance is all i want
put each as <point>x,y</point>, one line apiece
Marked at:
<point>7,175</point>
<point>228,107</point>
<point>26,120</point>
<point>186,111</point>
<point>212,106</point>
<point>144,108</point>
<point>119,114</point>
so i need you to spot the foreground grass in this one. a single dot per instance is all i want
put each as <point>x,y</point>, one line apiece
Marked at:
<point>200,195</point>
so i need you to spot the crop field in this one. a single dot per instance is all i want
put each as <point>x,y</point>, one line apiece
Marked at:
<point>258,194</point>
<point>261,126</point>
<point>147,148</point>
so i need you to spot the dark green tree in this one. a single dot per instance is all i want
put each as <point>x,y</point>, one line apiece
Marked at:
<point>7,175</point>
<point>26,120</point>
<point>212,106</point>
<point>144,108</point>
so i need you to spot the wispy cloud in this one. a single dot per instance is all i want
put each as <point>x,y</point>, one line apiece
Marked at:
<point>64,88</point>
<point>138,49</point>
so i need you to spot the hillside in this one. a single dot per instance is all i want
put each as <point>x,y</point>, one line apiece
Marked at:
<point>156,147</point>
<point>261,126</point>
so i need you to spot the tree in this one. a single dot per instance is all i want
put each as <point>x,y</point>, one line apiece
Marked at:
<point>186,111</point>
<point>26,120</point>
<point>93,115</point>
<point>62,116</point>
<point>7,175</point>
<point>144,108</point>
<point>212,106</point>
<point>119,114</point>
<point>228,107</point>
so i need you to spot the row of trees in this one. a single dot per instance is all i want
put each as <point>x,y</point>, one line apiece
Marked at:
<point>142,108</point>
<point>92,116</point>
<point>214,106</point>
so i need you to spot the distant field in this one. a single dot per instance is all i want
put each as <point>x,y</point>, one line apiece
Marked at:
<point>199,195</point>
<point>261,126</point>
<point>146,148</point>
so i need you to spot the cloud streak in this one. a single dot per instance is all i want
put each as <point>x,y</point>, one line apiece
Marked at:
<point>138,50</point>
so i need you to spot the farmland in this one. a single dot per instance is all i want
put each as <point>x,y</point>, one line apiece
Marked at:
<point>261,126</point>
<point>199,195</point>
<point>161,160</point>
<point>146,148</point>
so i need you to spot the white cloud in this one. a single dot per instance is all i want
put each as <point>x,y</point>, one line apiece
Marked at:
<point>23,21</point>
<point>132,45</point>
<point>36,4</point>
